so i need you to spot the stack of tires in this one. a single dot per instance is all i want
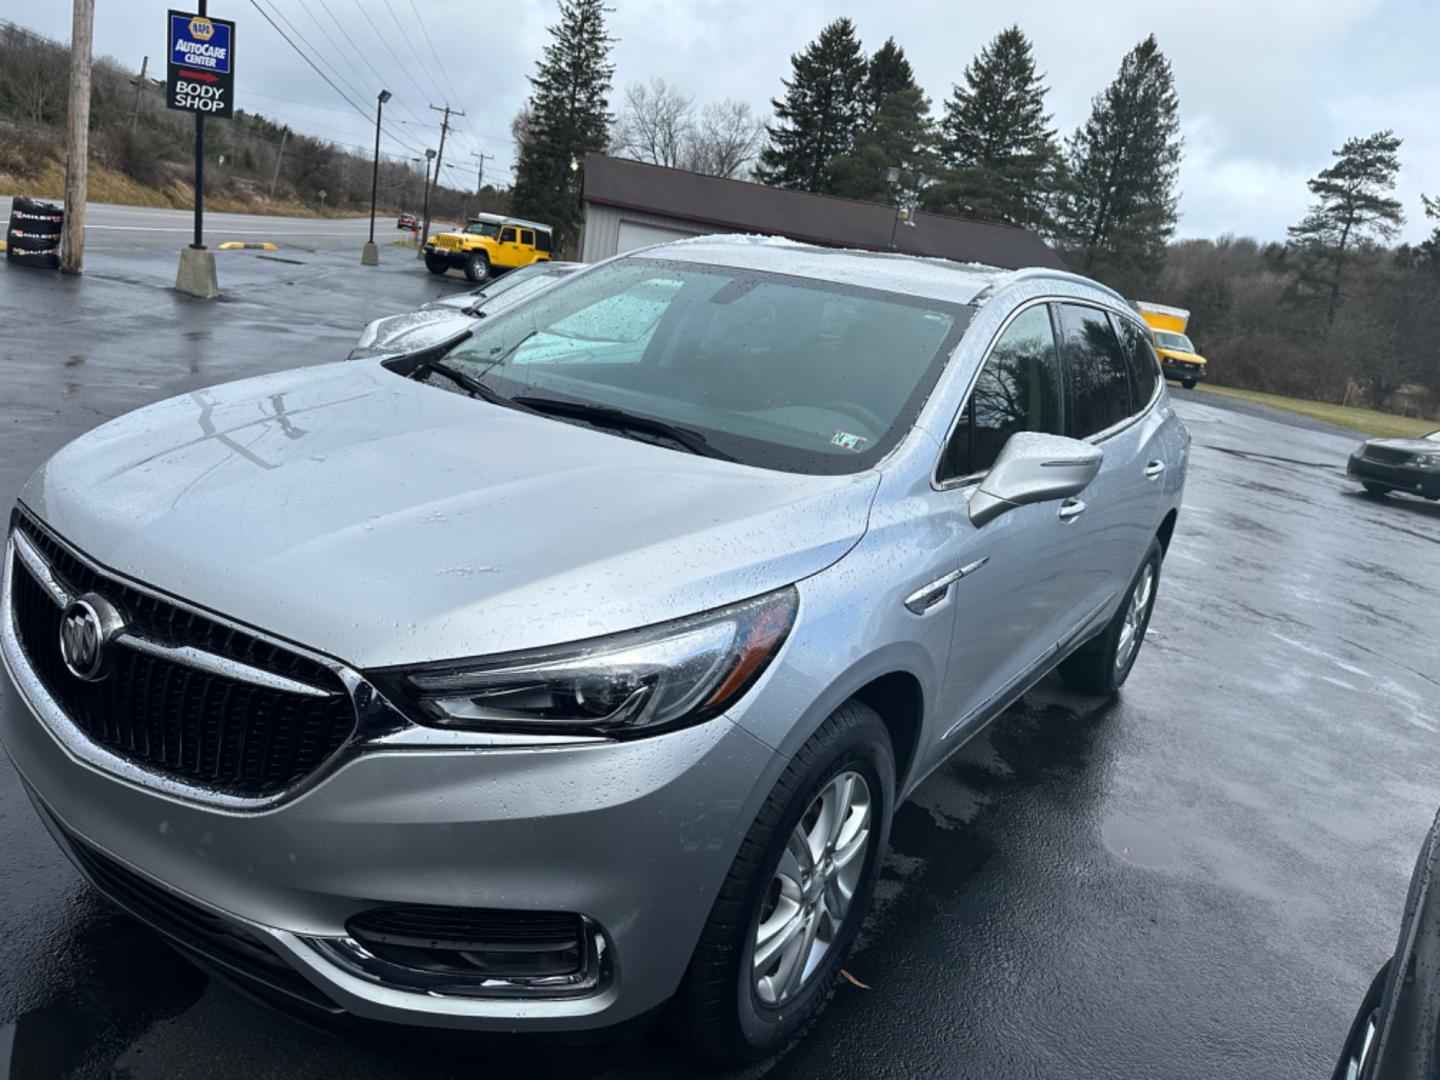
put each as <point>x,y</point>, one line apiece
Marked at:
<point>33,238</point>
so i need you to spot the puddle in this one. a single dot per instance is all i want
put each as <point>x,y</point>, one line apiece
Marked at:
<point>1137,843</point>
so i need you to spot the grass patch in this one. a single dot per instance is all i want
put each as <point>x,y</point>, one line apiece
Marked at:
<point>1367,421</point>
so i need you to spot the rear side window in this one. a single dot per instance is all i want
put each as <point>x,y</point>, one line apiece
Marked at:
<point>1018,390</point>
<point>1096,369</point>
<point>542,241</point>
<point>527,236</point>
<point>1144,364</point>
<point>507,235</point>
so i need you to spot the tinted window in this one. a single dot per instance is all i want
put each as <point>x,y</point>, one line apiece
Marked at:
<point>527,236</point>
<point>1096,369</point>
<point>507,235</point>
<point>1144,365</point>
<point>542,241</point>
<point>1018,390</point>
<point>775,370</point>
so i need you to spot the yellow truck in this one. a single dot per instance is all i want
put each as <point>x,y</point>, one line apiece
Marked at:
<point>1178,358</point>
<point>490,244</point>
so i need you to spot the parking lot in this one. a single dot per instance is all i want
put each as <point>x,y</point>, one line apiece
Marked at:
<point>1196,881</point>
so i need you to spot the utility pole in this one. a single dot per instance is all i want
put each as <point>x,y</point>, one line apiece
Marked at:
<point>425,232</point>
<point>284,134</point>
<point>480,177</point>
<point>439,160</point>
<point>139,85</point>
<point>77,140</point>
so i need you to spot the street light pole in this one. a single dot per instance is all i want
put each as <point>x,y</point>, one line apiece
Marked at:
<point>370,256</point>
<point>420,247</point>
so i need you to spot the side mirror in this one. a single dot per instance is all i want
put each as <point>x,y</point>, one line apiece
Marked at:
<point>1034,468</point>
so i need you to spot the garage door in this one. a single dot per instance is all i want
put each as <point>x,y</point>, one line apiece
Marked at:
<point>635,235</point>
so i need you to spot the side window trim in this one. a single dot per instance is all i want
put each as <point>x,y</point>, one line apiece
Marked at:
<point>1135,417</point>
<point>968,479</point>
<point>1145,334</point>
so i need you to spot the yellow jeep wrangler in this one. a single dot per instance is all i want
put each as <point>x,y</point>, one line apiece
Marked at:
<point>489,245</point>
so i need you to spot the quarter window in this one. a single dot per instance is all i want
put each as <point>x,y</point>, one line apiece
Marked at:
<point>1096,369</point>
<point>542,241</point>
<point>1018,390</point>
<point>1144,364</point>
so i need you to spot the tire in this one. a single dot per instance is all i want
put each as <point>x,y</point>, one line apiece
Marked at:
<point>33,243</point>
<point>1188,384</point>
<point>1103,664</point>
<point>1372,488</point>
<point>477,267</point>
<point>435,264</point>
<point>719,1011</point>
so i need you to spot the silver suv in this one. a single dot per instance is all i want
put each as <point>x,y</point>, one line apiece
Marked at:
<point>530,682</point>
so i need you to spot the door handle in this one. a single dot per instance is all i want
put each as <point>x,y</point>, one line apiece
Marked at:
<point>1154,469</point>
<point>1071,509</point>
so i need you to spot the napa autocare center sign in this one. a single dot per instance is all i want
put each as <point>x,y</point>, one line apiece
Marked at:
<point>200,75</point>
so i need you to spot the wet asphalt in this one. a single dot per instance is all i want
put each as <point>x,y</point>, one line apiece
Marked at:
<point>1196,880</point>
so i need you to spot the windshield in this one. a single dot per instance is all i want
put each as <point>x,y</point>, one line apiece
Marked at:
<point>1434,436</point>
<point>506,282</point>
<point>483,228</point>
<point>1178,342</point>
<point>772,370</point>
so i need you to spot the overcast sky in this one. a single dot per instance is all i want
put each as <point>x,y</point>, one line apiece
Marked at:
<point>1267,87</point>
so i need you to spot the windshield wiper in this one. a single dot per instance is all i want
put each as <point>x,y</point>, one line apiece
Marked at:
<point>608,416</point>
<point>471,385</point>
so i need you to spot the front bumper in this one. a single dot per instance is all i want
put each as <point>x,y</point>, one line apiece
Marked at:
<point>1181,370</point>
<point>1409,478</point>
<point>447,255</point>
<point>635,836</point>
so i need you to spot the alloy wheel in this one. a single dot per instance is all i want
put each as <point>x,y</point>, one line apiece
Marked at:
<point>810,894</point>
<point>1135,614</point>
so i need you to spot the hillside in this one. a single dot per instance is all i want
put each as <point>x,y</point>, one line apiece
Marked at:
<point>143,154</point>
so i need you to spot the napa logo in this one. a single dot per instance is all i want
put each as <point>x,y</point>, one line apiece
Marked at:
<point>200,43</point>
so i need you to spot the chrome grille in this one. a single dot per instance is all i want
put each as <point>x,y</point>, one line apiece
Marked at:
<point>186,696</point>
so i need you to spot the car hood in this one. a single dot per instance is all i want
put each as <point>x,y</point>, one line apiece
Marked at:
<point>1414,446</point>
<point>385,521</point>
<point>1181,354</point>
<point>411,332</point>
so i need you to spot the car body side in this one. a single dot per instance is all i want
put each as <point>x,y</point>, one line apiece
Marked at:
<point>540,821</point>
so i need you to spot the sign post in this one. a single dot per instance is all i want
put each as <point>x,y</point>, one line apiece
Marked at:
<point>200,79</point>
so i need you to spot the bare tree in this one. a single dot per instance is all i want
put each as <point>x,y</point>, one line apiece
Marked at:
<point>656,125</point>
<point>725,139</point>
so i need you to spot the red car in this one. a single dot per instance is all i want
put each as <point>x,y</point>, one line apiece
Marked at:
<point>407,221</point>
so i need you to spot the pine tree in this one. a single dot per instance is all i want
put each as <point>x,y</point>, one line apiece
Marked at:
<point>1002,161</point>
<point>568,116</point>
<point>898,135</point>
<point>1353,203</point>
<point>1118,210</point>
<point>822,109</point>
<point>887,71</point>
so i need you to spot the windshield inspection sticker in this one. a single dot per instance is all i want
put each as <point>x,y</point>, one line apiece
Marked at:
<point>847,441</point>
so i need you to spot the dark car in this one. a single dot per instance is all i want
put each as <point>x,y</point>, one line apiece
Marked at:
<point>1396,1032</point>
<point>1386,465</point>
<point>406,221</point>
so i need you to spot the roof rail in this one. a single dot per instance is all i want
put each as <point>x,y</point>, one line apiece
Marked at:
<point>1031,273</point>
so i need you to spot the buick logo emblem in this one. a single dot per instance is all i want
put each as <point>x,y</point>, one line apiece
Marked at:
<point>87,626</point>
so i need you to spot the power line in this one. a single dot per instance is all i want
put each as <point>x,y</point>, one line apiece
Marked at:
<point>421,63</point>
<point>330,82</point>
<point>454,95</point>
<point>393,54</point>
<point>380,78</point>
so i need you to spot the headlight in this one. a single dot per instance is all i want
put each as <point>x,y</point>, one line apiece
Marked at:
<point>627,685</point>
<point>1428,461</point>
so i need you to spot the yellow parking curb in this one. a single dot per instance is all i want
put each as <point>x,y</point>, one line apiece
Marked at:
<point>4,246</point>
<point>236,245</point>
